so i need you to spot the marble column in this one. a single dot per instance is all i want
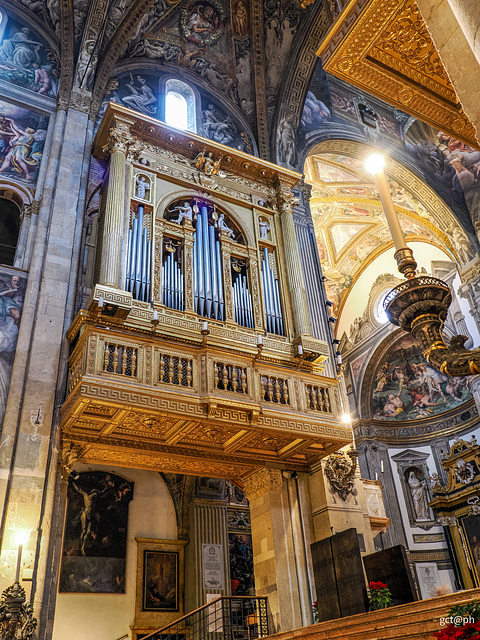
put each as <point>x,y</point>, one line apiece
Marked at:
<point>278,575</point>
<point>113,230</point>
<point>293,263</point>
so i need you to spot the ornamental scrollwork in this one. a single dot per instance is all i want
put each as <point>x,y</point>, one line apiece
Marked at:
<point>341,472</point>
<point>16,615</point>
<point>464,472</point>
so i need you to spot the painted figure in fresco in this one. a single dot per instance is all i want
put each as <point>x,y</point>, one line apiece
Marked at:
<point>419,496</point>
<point>142,97</point>
<point>21,155</point>
<point>21,50</point>
<point>86,65</point>
<point>315,112</point>
<point>12,295</point>
<point>203,24</point>
<point>286,140</point>
<point>42,79</point>
<point>240,20</point>
<point>214,128</point>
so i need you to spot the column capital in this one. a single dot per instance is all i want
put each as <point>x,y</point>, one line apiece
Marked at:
<point>121,139</point>
<point>262,482</point>
<point>286,199</point>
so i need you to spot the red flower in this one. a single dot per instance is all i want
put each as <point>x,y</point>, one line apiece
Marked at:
<point>377,585</point>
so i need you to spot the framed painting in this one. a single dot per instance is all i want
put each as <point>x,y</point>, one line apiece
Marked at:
<point>160,581</point>
<point>471,529</point>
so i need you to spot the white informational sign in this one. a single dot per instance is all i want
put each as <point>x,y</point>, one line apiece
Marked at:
<point>428,579</point>
<point>212,563</point>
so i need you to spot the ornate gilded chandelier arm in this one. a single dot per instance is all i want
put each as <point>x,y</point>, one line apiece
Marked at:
<point>420,304</point>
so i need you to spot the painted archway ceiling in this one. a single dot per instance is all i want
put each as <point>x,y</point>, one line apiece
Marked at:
<point>350,226</point>
<point>386,50</point>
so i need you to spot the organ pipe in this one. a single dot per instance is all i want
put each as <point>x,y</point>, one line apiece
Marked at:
<point>207,264</point>
<point>138,259</point>
<point>271,293</point>
<point>172,285</point>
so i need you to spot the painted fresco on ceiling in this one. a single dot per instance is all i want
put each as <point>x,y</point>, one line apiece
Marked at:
<point>22,136</point>
<point>95,541</point>
<point>449,166</point>
<point>25,59</point>
<point>12,294</point>
<point>142,92</point>
<point>406,387</point>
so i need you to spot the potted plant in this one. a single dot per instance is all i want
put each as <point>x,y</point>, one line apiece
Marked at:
<point>460,623</point>
<point>379,596</point>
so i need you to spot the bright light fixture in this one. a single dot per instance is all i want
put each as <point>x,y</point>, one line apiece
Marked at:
<point>346,418</point>
<point>21,537</point>
<point>375,163</point>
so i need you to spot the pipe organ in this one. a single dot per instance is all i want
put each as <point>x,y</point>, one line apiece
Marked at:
<point>271,293</point>
<point>191,360</point>
<point>207,265</point>
<point>172,276</point>
<point>139,257</point>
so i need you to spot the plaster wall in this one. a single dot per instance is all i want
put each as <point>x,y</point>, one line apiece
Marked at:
<point>151,514</point>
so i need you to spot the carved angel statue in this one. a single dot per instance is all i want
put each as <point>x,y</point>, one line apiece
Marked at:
<point>142,187</point>
<point>264,228</point>
<point>199,161</point>
<point>222,225</point>
<point>186,212</point>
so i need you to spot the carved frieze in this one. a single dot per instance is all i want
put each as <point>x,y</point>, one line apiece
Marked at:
<point>340,471</point>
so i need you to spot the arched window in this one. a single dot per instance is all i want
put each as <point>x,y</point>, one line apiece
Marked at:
<point>9,229</point>
<point>180,105</point>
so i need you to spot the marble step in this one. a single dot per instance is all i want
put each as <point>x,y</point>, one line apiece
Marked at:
<point>414,621</point>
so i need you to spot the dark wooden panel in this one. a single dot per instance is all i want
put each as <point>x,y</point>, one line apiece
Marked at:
<point>391,566</point>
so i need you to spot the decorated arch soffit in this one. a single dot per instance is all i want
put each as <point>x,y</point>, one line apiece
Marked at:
<point>386,50</point>
<point>350,226</point>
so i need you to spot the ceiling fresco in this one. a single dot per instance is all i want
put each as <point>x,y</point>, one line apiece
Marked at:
<point>350,225</point>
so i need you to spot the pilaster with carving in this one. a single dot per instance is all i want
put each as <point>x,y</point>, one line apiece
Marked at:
<point>262,482</point>
<point>188,266</point>
<point>227,279</point>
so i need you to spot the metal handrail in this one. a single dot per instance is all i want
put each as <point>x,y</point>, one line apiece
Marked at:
<point>249,623</point>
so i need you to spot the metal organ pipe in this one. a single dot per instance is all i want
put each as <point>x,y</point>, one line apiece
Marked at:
<point>138,261</point>
<point>207,261</point>
<point>273,309</point>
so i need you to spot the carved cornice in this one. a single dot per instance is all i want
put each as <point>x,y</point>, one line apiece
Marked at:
<point>262,482</point>
<point>387,52</point>
<point>184,147</point>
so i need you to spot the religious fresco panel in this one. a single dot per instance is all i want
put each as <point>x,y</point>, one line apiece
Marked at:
<point>22,137</point>
<point>140,90</point>
<point>406,387</point>
<point>95,541</point>
<point>12,294</point>
<point>25,59</point>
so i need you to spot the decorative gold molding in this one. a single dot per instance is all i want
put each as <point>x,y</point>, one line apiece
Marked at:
<point>387,51</point>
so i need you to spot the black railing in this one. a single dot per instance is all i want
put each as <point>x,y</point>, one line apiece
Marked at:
<point>226,618</point>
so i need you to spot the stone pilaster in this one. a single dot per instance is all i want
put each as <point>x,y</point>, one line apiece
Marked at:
<point>293,263</point>
<point>276,570</point>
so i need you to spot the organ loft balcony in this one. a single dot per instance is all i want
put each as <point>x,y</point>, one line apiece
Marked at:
<point>194,352</point>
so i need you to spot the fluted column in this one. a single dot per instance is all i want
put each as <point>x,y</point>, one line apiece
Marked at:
<point>113,231</point>
<point>293,264</point>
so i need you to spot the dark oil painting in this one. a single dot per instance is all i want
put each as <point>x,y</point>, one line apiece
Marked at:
<point>241,564</point>
<point>160,581</point>
<point>95,541</point>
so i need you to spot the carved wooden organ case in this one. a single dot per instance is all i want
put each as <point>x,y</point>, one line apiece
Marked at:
<point>188,356</point>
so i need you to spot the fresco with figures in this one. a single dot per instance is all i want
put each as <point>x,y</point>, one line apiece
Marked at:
<point>25,59</point>
<point>406,387</point>
<point>95,542</point>
<point>140,91</point>
<point>12,294</point>
<point>22,137</point>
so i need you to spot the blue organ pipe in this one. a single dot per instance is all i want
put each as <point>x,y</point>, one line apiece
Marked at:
<point>235,302</point>
<point>144,264</point>
<point>177,285</point>
<point>201,283</point>
<point>279,307</point>
<point>213,261</point>
<point>248,303</point>
<point>134,255</point>
<point>265,298</point>
<point>268,293</point>
<point>206,262</point>
<point>195,274</point>
<point>127,267</point>
<point>138,266</point>
<point>244,301</point>
<point>275,301</point>
<point>181,289</point>
<point>149,270</point>
<point>220,279</point>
